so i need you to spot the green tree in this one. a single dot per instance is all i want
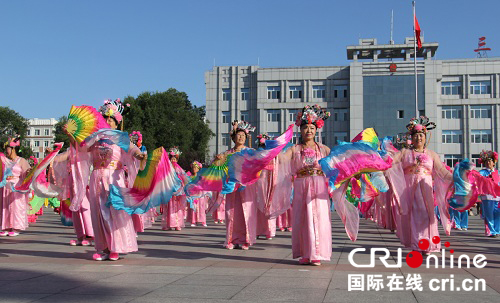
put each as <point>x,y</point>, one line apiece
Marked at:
<point>59,135</point>
<point>11,124</point>
<point>169,119</point>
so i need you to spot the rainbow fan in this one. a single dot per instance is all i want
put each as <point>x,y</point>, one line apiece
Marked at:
<point>349,159</point>
<point>211,178</point>
<point>245,166</point>
<point>24,187</point>
<point>4,171</point>
<point>66,214</point>
<point>153,186</point>
<point>368,136</point>
<point>83,121</point>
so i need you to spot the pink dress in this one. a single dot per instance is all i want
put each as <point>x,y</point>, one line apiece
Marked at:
<point>419,181</point>
<point>219,202</point>
<point>113,229</point>
<point>14,205</point>
<point>264,186</point>
<point>175,211</point>
<point>284,220</point>
<point>312,229</point>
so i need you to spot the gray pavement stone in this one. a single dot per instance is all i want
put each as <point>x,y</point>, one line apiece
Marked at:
<point>215,280</point>
<point>295,283</point>
<point>195,292</point>
<point>84,298</point>
<point>258,293</point>
<point>20,298</point>
<point>342,295</point>
<point>115,288</point>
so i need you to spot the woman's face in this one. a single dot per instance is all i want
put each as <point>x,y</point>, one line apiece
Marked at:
<point>490,164</point>
<point>111,121</point>
<point>307,132</point>
<point>174,159</point>
<point>240,138</point>
<point>195,168</point>
<point>418,140</point>
<point>8,151</point>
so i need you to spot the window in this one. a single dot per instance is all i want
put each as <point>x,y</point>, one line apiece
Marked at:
<point>37,143</point>
<point>46,143</point>
<point>401,114</point>
<point>480,111</point>
<point>295,138</point>
<point>225,79</point>
<point>421,112</point>
<point>480,87</point>
<point>28,132</point>
<point>226,94</point>
<point>475,159</point>
<point>225,139</point>
<point>37,132</point>
<point>480,136</point>
<point>451,136</point>
<point>226,117</point>
<point>245,94</point>
<point>340,136</point>
<point>37,155</point>
<point>451,88</point>
<point>295,92</point>
<point>339,91</point>
<point>273,92</point>
<point>451,160</point>
<point>451,112</point>
<point>340,115</point>
<point>245,116</point>
<point>47,132</point>
<point>292,114</point>
<point>273,115</point>
<point>319,91</point>
<point>323,136</point>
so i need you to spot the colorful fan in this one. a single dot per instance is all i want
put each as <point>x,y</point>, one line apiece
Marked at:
<point>153,186</point>
<point>469,184</point>
<point>211,178</point>
<point>109,136</point>
<point>368,136</point>
<point>37,170</point>
<point>4,171</point>
<point>83,121</point>
<point>66,214</point>
<point>349,159</point>
<point>245,166</point>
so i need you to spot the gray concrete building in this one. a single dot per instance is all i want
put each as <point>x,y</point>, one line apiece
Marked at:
<point>376,89</point>
<point>40,135</point>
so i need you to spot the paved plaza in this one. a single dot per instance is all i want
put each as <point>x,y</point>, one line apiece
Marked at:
<point>192,266</point>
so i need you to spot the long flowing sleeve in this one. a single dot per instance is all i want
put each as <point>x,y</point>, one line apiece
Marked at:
<point>396,178</point>
<point>282,186</point>
<point>443,180</point>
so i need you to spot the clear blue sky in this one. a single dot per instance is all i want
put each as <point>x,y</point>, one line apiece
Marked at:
<point>57,53</point>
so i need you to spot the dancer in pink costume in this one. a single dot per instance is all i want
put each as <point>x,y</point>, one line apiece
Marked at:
<point>241,211</point>
<point>198,213</point>
<point>312,230</point>
<point>113,229</point>
<point>419,181</point>
<point>82,219</point>
<point>14,205</point>
<point>174,213</point>
<point>266,226</point>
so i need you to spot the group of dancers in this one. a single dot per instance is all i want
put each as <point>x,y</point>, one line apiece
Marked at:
<point>295,189</point>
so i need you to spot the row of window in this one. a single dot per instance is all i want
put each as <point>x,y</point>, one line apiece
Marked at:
<point>451,160</point>
<point>274,115</point>
<point>38,143</point>
<point>295,92</point>
<point>475,87</point>
<point>476,112</point>
<point>38,132</point>
<point>476,136</point>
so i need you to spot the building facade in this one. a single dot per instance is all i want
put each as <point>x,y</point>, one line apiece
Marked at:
<point>376,89</point>
<point>40,135</point>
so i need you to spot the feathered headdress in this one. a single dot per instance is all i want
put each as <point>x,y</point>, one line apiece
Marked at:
<point>420,125</point>
<point>174,151</point>
<point>261,139</point>
<point>136,138</point>
<point>115,109</point>
<point>486,155</point>
<point>312,115</point>
<point>12,142</point>
<point>243,126</point>
<point>197,164</point>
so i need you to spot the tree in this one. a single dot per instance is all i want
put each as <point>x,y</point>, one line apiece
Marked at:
<point>11,124</point>
<point>59,135</point>
<point>169,119</point>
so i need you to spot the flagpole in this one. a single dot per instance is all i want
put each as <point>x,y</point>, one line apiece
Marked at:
<point>415,61</point>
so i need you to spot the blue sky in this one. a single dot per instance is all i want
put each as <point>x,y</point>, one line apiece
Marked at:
<point>57,53</point>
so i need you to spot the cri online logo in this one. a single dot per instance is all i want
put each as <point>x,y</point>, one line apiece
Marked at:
<point>414,258</point>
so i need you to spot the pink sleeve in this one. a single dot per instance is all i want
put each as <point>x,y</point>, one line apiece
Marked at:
<point>347,212</point>
<point>397,182</point>
<point>80,162</point>
<point>443,180</point>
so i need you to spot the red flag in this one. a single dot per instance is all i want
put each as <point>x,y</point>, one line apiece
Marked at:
<point>417,32</point>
